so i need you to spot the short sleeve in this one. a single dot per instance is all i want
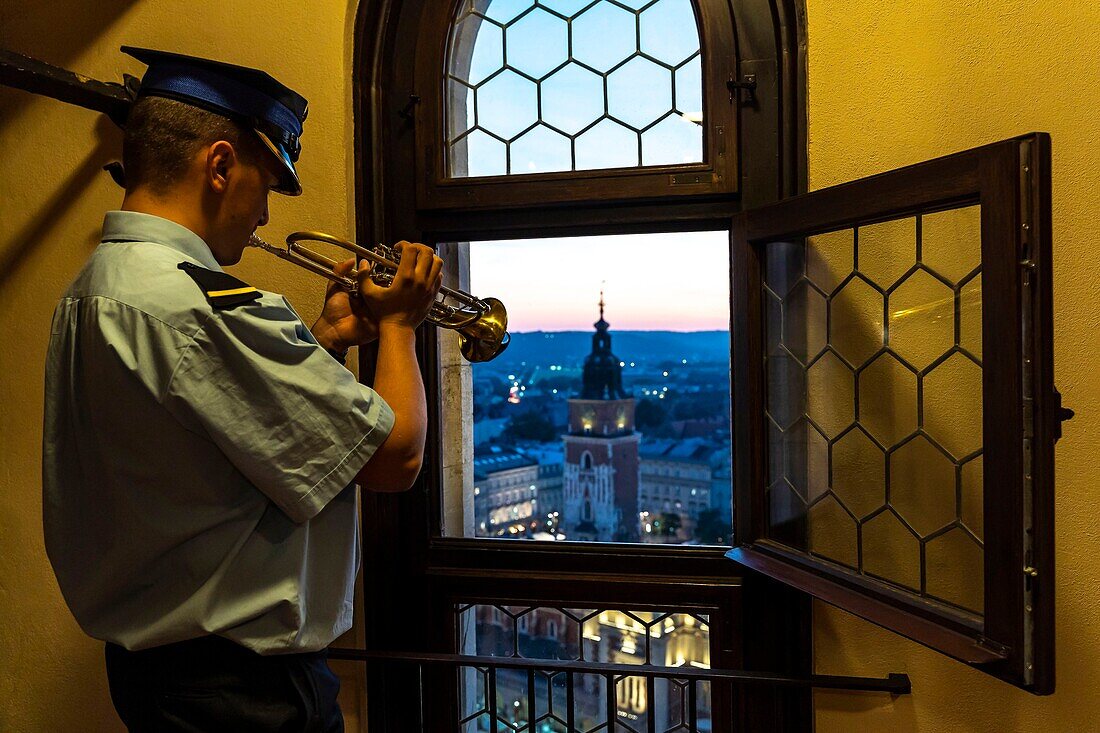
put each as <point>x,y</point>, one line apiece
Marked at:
<point>285,414</point>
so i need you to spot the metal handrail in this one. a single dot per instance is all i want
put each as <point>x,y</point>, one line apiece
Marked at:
<point>894,683</point>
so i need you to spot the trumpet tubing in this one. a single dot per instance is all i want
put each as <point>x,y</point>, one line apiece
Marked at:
<point>481,323</point>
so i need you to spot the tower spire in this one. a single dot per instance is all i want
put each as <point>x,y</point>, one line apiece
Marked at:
<point>602,379</point>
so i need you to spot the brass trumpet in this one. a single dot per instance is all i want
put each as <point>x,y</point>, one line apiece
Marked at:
<point>482,323</point>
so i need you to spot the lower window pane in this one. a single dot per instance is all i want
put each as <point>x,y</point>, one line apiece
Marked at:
<point>658,638</point>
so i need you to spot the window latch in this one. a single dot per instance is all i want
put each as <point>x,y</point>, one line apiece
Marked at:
<point>1061,414</point>
<point>406,111</point>
<point>747,83</point>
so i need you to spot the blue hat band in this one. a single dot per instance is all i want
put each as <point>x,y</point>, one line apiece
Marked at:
<point>223,93</point>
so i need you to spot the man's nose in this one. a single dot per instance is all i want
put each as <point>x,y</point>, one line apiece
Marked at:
<point>264,216</point>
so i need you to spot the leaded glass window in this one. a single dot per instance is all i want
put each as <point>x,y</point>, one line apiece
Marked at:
<point>875,400</point>
<point>899,330</point>
<point>536,86</point>
<point>643,637</point>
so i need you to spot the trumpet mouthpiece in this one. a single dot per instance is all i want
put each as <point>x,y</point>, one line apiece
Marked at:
<point>255,241</point>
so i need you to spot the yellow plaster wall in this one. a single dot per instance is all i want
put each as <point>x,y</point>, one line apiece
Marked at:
<point>52,198</point>
<point>890,84</point>
<point>893,83</point>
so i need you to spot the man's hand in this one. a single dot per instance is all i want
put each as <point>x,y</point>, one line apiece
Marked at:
<point>345,321</point>
<point>407,301</point>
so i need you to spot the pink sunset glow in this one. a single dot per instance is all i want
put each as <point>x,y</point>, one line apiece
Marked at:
<point>666,282</point>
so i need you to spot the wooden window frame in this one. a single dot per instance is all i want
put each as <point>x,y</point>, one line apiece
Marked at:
<point>411,571</point>
<point>1014,640</point>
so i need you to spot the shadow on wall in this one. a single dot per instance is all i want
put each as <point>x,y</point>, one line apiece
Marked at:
<point>22,244</point>
<point>55,32</point>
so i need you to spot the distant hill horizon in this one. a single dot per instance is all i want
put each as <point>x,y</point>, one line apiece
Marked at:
<point>570,347</point>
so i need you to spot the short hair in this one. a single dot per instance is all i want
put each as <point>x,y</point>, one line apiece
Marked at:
<point>162,136</point>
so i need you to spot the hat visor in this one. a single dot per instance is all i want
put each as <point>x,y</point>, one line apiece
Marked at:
<point>289,185</point>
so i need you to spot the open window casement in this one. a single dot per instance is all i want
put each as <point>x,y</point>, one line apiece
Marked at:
<point>894,406</point>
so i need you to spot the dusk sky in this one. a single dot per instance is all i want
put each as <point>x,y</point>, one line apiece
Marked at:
<point>669,282</point>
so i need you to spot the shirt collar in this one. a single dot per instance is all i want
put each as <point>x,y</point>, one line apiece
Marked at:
<point>134,226</point>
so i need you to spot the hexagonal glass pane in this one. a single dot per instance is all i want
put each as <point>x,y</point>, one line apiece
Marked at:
<point>478,154</point>
<point>972,497</point>
<point>689,89</point>
<point>888,400</point>
<point>855,321</point>
<point>785,512</point>
<point>539,151</point>
<point>859,473</point>
<point>607,145</point>
<point>604,36</point>
<point>890,551</point>
<point>537,43</point>
<point>592,717</point>
<point>955,571</point>
<point>504,11</point>
<point>773,325</point>
<point>922,486</point>
<point>805,323</point>
<point>786,389</point>
<point>805,462</point>
<point>833,533</point>
<point>477,49</point>
<point>783,266</point>
<point>460,108</point>
<point>951,241</point>
<point>671,141</point>
<point>953,405</point>
<point>639,92</point>
<point>830,258</point>
<point>776,452</point>
<point>922,319</point>
<point>970,316</point>
<point>507,104</point>
<point>830,394</point>
<point>572,98</point>
<point>632,704</point>
<point>668,31</point>
<point>887,250</point>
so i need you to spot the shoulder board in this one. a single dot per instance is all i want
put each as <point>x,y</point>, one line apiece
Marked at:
<point>222,290</point>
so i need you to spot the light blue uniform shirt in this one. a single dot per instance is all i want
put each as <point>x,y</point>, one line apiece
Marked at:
<point>197,462</point>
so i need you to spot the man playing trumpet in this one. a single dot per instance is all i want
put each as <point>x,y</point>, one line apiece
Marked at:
<point>201,444</point>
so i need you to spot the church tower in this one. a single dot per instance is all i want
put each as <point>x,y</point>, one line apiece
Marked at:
<point>601,451</point>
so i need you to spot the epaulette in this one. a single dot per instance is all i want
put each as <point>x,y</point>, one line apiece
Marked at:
<point>221,289</point>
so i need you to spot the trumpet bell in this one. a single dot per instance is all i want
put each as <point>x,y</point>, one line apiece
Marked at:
<point>486,337</point>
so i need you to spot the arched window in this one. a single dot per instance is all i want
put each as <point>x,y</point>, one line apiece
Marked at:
<point>568,86</point>
<point>586,460</point>
<point>532,103</point>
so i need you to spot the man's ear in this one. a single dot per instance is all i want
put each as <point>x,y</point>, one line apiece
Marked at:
<point>220,158</point>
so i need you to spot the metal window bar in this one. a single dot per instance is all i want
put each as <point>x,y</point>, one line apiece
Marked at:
<point>894,684</point>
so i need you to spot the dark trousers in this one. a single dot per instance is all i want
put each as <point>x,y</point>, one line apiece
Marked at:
<point>211,684</point>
